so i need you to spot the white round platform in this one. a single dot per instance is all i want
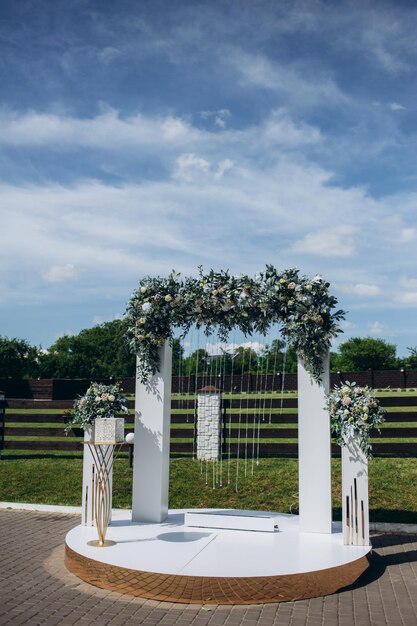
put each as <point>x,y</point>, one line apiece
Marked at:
<point>178,552</point>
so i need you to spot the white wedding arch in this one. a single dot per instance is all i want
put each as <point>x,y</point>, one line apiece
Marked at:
<point>308,317</point>
<point>160,554</point>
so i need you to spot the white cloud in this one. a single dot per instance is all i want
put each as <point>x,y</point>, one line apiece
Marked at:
<point>281,129</point>
<point>219,117</point>
<point>61,273</point>
<point>220,121</point>
<point>396,106</point>
<point>109,54</point>
<point>108,130</point>
<point>162,136</point>
<point>407,298</point>
<point>405,292</point>
<point>362,289</point>
<point>188,166</point>
<point>408,234</point>
<point>299,86</point>
<point>376,329</point>
<point>174,128</point>
<point>221,216</point>
<point>223,167</point>
<point>408,283</point>
<point>236,198</point>
<point>347,325</point>
<point>329,242</point>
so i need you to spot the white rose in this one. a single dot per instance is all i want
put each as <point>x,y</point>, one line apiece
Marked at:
<point>143,289</point>
<point>146,306</point>
<point>111,398</point>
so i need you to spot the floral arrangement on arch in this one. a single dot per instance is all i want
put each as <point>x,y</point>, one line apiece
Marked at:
<point>354,412</point>
<point>218,300</point>
<point>98,401</point>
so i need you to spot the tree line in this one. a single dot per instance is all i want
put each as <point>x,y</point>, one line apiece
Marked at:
<point>102,352</point>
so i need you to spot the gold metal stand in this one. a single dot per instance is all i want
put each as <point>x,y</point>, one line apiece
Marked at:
<point>102,490</point>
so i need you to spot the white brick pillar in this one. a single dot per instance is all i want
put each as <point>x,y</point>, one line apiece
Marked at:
<point>209,424</point>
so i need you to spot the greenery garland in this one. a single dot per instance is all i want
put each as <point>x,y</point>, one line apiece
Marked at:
<point>219,301</point>
<point>354,412</point>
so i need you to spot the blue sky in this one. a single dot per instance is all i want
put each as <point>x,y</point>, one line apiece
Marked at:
<point>137,137</point>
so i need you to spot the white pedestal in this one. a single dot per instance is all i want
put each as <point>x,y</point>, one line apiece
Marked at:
<point>152,438</point>
<point>314,452</point>
<point>355,504</point>
<point>233,519</point>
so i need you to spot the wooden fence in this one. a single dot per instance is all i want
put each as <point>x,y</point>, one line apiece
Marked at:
<point>33,425</point>
<point>67,389</point>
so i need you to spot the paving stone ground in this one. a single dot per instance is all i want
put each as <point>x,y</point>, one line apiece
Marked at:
<point>35,588</point>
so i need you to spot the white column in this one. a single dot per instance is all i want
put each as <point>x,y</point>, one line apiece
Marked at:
<point>355,506</point>
<point>90,480</point>
<point>152,438</point>
<point>314,452</point>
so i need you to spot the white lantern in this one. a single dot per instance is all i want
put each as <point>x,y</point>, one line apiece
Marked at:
<point>110,430</point>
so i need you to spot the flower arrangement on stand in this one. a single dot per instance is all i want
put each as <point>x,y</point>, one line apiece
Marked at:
<point>99,401</point>
<point>354,413</point>
<point>97,413</point>
<point>218,300</point>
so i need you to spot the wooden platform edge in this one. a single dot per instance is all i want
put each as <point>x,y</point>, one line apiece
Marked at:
<point>215,590</point>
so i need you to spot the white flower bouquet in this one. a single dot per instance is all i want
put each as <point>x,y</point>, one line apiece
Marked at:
<point>104,401</point>
<point>354,412</point>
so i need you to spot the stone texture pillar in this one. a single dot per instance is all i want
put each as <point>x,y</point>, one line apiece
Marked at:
<point>209,424</point>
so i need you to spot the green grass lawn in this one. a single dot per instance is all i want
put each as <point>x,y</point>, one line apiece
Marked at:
<point>43,477</point>
<point>273,486</point>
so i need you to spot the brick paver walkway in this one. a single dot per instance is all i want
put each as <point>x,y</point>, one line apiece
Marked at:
<point>35,588</point>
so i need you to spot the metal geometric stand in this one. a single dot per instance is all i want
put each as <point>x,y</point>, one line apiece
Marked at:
<point>355,505</point>
<point>103,456</point>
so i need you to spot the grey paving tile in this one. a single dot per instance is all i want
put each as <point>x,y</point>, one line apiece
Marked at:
<point>35,588</point>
